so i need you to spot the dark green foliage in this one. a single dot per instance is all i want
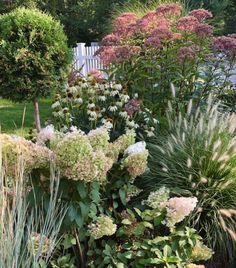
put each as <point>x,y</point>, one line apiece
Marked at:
<point>230,17</point>
<point>84,20</point>
<point>34,57</point>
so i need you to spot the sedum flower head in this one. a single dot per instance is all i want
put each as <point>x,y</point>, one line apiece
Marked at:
<point>169,9</point>
<point>103,226</point>
<point>178,208</point>
<point>201,14</point>
<point>158,199</point>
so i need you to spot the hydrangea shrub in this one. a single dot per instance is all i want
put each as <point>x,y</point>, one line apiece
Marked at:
<point>98,186</point>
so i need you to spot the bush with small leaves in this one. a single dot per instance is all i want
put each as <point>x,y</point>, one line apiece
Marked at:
<point>34,56</point>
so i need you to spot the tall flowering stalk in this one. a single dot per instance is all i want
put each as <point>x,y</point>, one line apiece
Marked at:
<point>164,47</point>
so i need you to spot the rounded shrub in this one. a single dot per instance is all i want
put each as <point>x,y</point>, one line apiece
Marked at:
<point>34,56</point>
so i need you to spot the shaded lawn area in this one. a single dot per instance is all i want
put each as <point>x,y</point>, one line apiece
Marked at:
<point>11,115</point>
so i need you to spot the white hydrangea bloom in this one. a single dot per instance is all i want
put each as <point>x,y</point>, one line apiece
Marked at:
<point>138,147</point>
<point>158,199</point>
<point>104,226</point>
<point>46,134</point>
<point>178,208</point>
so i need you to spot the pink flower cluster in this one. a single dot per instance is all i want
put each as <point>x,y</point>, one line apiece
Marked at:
<point>163,33</point>
<point>201,14</point>
<point>225,44</point>
<point>110,40</point>
<point>203,30</point>
<point>123,25</point>
<point>97,75</point>
<point>132,107</point>
<point>153,42</point>
<point>170,9</point>
<point>150,21</point>
<point>185,53</point>
<point>178,208</point>
<point>187,23</point>
<point>107,54</point>
<point>153,31</point>
<point>110,54</point>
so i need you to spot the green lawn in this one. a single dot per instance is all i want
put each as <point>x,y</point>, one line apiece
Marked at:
<point>12,119</point>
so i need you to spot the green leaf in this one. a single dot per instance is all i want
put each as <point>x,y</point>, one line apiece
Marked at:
<point>128,255</point>
<point>95,194</point>
<point>148,224</point>
<point>167,250</point>
<point>84,208</point>
<point>122,194</point>
<point>72,212</point>
<point>139,230</point>
<point>138,211</point>
<point>126,222</point>
<point>120,265</point>
<point>81,189</point>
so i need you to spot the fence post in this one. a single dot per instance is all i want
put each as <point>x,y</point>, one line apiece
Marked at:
<point>94,44</point>
<point>81,58</point>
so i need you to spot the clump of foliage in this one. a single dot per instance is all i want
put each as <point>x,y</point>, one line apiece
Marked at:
<point>34,57</point>
<point>164,47</point>
<point>28,235</point>
<point>84,21</point>
<point>143,239</point>
<point>230,18</point>
<point>197,157</point>
<point>93,101</point>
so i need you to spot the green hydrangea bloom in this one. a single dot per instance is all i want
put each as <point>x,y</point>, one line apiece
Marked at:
<point>72,148</point>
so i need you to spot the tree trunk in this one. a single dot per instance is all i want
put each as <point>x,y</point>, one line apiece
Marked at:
<point>36,115</point>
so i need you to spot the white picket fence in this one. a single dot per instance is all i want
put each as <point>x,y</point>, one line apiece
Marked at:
<point>84,58</point>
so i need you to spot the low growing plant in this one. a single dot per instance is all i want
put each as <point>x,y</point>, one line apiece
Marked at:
<point>197,157</point>
<point>28,235</point>
<point>148,236</point>
<point>93,101</point>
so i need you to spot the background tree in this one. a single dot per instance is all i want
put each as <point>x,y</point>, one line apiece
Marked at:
<point>84,20</point>
<point>34,56</point>
<point>230,17</point>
